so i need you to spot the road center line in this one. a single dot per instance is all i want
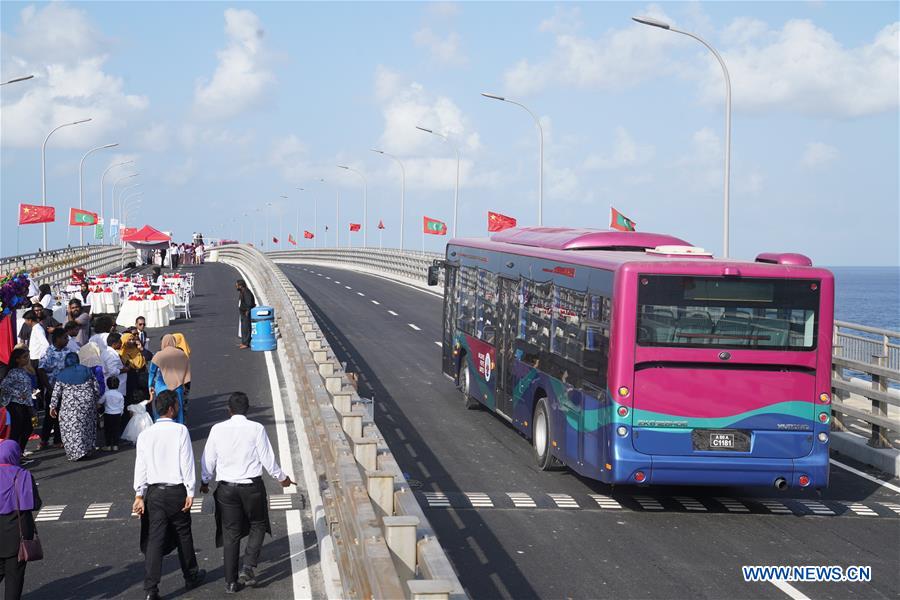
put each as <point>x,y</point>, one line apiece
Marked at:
<point>414,326</point>
<point>360,294</point>
<point>790,590</point>
<point>392,312</point>
<point>348,287</point>
<point>375,302</point>
<point>889,486</point>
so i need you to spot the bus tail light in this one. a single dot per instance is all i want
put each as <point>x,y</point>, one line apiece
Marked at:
<point>824,398</point>
<point>623,411</point>
<point>622,430</point>
<point>823,417</point>
<point>639,476</point>
<point>823,437</point>
<point>803,480</point>
<point>624,391</point>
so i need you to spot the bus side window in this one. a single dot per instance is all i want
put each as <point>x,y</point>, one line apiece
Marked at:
<point>467,298</point>
<point>595,337</point>
<point>485,321</point>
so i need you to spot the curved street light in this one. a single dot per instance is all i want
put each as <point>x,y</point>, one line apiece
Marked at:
<point>18,79</point>
<point>402,188</point>
<point>102,178</point>
<point>663,25</point>
<point>44,166</point>
<point>455,149</point>
<point>81,182</point>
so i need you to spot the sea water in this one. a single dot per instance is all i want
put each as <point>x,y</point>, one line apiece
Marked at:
<point>868,296</point>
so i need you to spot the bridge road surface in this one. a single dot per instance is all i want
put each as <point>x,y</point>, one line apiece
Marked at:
<point>629,542</point>
<point>98,557</point>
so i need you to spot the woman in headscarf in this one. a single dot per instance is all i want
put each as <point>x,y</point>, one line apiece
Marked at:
<point>74,402</point>
<point>170,370</point>
<point>18,499</point>
<point>181,343</point>
<point>89,356</point>
<point>46,297</point>
<point>133,360</point>
<point>15,395</point>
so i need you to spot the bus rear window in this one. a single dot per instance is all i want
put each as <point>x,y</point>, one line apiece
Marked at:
<point>770,314</point>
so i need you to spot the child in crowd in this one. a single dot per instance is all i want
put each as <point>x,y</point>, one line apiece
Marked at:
<point>113,404</point>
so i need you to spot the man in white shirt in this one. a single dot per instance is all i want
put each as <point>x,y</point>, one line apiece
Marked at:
<point>237,451</point>
<point>164,478</point>
<point>112,362</point>
<point>37,342</point>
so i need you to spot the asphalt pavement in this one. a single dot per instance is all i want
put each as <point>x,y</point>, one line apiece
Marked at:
<point>89,536</point>
<point>512,531</point>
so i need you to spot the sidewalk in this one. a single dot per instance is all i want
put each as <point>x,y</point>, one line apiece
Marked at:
<point>91,549</point>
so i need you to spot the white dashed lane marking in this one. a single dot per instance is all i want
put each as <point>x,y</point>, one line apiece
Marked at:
<point>691,504</point>
<point>605,501</point>
<point>480,500</point>
<point>817,508</point>
<point>337,282</point>
<point>414,326</point>
<point>437,499</point>
<point>50,513</point>
<point>521,500</point>
<point>861,509</point>
<point>375,302</point>
<point>392,312</point>
<point>648,503</point>
<point>319,274</point>
<point>348,287</point>
<point>98,510</point>
<point>439,344</point>
<point>732,505</point>
<point>327,277</point>
<point>360,294</point>
<point>563,501</point>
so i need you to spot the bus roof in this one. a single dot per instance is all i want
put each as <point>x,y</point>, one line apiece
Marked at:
<point>564,238</point>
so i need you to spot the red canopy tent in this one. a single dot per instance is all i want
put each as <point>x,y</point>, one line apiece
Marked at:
<point>147,237</point>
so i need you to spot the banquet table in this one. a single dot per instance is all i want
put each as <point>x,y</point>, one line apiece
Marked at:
<point>104,302</point>
<point>157,313</point>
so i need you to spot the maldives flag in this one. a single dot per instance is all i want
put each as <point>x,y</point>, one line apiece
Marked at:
<point>32,213</point>
<point>308,235</point>
<point>291,239</point>
<point>380,224</point>
<point>620,222</point>
<point>82,218</point>
<point>499,222</point>
<point>355,226</point>
<point>433,226</point>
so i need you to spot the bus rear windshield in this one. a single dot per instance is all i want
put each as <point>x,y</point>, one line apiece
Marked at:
<point>770,314</point>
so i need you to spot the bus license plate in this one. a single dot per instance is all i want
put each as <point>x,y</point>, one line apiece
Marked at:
<point>721,441</point>
<point>718,440</point>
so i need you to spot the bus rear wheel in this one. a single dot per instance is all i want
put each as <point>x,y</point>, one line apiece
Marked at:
<point>470,402</point>
<point>540,436</point>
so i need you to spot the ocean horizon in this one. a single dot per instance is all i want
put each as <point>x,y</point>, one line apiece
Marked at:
<point>867,296</point>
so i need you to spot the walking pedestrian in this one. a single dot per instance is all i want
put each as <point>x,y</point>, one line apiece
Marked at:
<point>164,479</point>
<point>246,301</point>
<point>113,403</point>
<point>49,367</point>
<point>19,499</point>
<point>236,453</point>
<point>74,401</point>
<point>170,369</point>
<point>16,391</point>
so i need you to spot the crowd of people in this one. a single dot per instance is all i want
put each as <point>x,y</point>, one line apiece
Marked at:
<point>176,255</point>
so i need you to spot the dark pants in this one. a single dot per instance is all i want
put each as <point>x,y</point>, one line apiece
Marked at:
<point>21,426</point>
<point>235,505</point>
<point>175,261</point>
<point>112,428</point>
<point>13,572</point>
<point>245,327</point>
<point>50,424</point>
<point>163,506</point>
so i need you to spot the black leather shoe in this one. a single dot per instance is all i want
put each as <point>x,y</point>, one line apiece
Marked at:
<point>247,577</point>
<point>233,588</point>
<point>196,580</point>
<point>152,595</point>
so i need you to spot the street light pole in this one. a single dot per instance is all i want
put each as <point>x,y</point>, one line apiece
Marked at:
<point>402,188</point>
<point>540,159</point>
<point>81,183</point>
<point>125,206</point>
<point>112,205</point>
<point>17,79</point>
<point>121,196</point>
<point>365,205</point>
<point>102,178</point>
<point>266,218</point>
<point>456,193</point>
<point>44,167</point>
<point>725,208</point>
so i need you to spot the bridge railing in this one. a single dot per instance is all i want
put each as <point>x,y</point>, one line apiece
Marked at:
<point>55,266</point>
<point>382,541</point>
<point>866,363</point>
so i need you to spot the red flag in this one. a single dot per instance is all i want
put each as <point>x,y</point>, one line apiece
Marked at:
<point>433,226</point>
<point>620,222</point>
<point>82,218</point>
<point>355,226</point>
<point>308,235</point>
<point>31,213</point>
<point>274,239</point>
<point>291,239</point>
<point>380,224</point>
<point>499,222</point>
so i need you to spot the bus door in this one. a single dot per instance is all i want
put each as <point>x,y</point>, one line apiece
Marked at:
<point>448,362</point>
<point>507,321</point>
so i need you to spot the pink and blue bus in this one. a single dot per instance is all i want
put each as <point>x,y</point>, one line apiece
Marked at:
<point>637,358</point>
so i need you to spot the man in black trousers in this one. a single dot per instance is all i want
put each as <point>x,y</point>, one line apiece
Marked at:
<point>245,303</point>
<point>164,478</point>
<point>236,452</point>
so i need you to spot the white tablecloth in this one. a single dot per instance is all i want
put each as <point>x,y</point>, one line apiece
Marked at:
<point>104,302</point>
<point>158,313</point>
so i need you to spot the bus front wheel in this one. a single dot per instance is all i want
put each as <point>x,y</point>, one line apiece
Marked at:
<point>540,436</point>
<point>470,402</point>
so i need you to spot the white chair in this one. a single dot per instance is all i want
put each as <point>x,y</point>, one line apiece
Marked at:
<point>182,305</point>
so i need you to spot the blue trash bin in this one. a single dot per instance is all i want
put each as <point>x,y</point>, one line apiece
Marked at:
<point>262,329</point>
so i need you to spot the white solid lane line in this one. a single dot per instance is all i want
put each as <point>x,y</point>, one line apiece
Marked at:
<point>889,486</point>
<point>790,590</point>
<point>414,327</point>
<point>375,302</point>
<point>392,312</point>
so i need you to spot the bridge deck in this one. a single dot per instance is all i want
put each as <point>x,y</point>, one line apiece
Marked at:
<point>513,531</point>
<point>93,553</point>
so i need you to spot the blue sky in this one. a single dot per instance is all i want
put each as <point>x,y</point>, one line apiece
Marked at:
<point>227,107</point>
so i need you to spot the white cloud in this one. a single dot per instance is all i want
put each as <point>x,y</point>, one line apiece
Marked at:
<point>617,59</point>
<point>242,77</point>
<point>564,20</point>
<point>155,137</point>
<point>818,154</point>
<point>626,152</point>
<point>445,49</point>
<point>181,174</point>
<point>803,68</point>
<point>443,10</point>
<point>65,52</point>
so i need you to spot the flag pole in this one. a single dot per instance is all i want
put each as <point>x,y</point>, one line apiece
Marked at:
<point>380,231</point>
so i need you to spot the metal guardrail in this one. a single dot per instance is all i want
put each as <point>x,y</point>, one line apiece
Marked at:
<point>384,544</point>
<point>55,267</point>
<point>859,349</point>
